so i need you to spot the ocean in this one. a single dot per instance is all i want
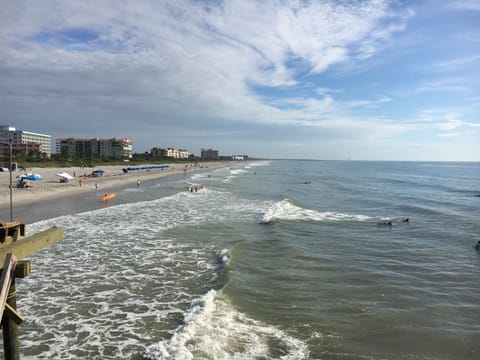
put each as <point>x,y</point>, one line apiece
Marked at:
<point>270,260</point>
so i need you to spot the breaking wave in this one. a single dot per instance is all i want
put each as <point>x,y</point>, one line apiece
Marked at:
<point>286,210</point>
<point>212,328</point>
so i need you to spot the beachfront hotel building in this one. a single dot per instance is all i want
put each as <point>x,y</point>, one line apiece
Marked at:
<point>169,152</point>
<point>24,143</point>
<point>95,148</point>
<point>209,154</point>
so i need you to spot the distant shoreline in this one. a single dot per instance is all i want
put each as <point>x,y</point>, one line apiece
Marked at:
<point>50,188</point>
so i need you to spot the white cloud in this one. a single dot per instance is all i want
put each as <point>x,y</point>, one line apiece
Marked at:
<point>369,103</point>
<point>450,135</point>
<point>465,5</point>
<point>457,63</point>
<point>454,123</point>
<point>441,85</point>
<point>326,91</point>
<point>191,65</point>
<point>170,49</point>
<point>449,122</point>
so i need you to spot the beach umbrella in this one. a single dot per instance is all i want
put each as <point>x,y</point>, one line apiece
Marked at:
<point>65,176</point>
<point>32,177</point>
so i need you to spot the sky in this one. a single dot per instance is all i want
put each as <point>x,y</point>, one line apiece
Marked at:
<point>338,80</point>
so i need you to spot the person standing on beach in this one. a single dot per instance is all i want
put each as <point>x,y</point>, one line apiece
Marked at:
<point>138,182</point>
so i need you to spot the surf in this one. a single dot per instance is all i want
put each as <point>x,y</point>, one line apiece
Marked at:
<point>213,328</point>
<point>287,210</point>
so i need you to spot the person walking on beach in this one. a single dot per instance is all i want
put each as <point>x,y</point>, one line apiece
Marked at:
<point>138,182</point>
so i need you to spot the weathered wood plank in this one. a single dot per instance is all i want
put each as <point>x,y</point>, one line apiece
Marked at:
<point>6,280</point>
<point>31,244</point>
<point>19,250</point>
<point>11,342</point>
<point>23,269</point>
<point>13,314</point>
<point>11,231</point>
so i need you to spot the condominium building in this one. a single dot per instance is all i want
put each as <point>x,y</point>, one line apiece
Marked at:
<point>95,148</point>
<point>183,154</point>
<point>169,152</point>
<point>209,154</point>
<point>24,143</point>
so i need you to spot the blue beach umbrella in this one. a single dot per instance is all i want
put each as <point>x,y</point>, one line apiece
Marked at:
<point>32,177</point>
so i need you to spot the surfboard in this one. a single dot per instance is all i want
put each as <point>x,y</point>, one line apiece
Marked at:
<point>107,197</point>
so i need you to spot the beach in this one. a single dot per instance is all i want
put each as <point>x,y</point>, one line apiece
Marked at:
<point>50,188</point>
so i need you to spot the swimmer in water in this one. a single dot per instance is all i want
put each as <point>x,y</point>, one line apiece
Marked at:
<point>387,222</point>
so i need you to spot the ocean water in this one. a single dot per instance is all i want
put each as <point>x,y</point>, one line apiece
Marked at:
<point>271,260</point>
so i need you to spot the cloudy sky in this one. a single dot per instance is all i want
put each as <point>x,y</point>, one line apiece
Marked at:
<point>359,79</point>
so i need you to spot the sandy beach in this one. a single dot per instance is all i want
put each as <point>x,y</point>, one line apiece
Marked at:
<point>113,177</point>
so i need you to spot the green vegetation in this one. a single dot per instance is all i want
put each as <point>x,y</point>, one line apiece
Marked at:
<point>137,159</point>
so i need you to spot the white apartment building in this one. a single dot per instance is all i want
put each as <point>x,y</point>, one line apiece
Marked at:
<point>8,133</point>
<point>170,152</point>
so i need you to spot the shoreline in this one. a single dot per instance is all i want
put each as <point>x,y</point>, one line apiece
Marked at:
<point>50,188</point>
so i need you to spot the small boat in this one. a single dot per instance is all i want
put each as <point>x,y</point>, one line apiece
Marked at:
<point>107,197</point>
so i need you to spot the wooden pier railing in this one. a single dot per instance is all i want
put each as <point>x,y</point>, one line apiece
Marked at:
<point>12,250</point>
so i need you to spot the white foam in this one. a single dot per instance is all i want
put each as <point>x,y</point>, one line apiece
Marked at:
<point>238,171</point>
<point>201,176</point>
<point>133,275</point>
<point>130,275</point>
<point>260,163</point>
<point>286,210</point>
<point>224,256</point>
<point>212,328</point>
<point>137,189</point>
<point>233,174</point>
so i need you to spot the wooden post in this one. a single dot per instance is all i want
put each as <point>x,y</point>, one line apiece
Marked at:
<point>6,279</point>
<point>11,343</point>
<point>11,186</point>
<point>7,296</point>
<point>9,253</point>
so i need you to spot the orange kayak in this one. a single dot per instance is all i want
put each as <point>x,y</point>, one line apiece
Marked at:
<point>107,197</point>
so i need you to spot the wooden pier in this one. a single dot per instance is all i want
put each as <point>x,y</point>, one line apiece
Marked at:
<point>11,231</point>
<point>12,250</point>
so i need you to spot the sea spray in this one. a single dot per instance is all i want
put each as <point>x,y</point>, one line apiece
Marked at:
<point>286,210</point>
<point>212,328</point>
